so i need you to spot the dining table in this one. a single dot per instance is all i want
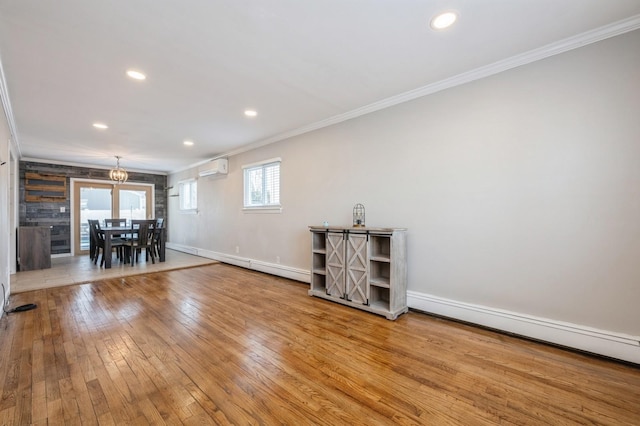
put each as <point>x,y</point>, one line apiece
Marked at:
<point>111,231</point>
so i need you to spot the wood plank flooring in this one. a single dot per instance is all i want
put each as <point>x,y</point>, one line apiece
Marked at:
<point>222,345</point>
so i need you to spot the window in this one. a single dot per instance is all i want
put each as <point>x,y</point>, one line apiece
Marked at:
<point>188,193</point>
<point>262,185</point>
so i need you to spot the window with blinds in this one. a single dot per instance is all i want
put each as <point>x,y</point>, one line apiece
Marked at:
<point>262,184</point>
<point>188,193</point>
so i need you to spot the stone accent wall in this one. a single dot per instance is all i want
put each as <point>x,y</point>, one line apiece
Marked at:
<point>48,213</point>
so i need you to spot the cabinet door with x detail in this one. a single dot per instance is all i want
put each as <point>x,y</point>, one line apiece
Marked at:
<point>357,275</point>
<point>335,264</point>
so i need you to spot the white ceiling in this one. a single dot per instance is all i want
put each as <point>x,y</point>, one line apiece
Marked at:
<point>300,64</point>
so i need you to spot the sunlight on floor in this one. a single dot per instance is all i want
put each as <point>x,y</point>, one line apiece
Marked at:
<point>80,269</point>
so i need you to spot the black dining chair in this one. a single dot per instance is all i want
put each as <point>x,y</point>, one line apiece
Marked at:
<point>98,237</point>
<point>142,238</point>
<point>157,235</point>
<point>92,239</point>
<point>117,222</point>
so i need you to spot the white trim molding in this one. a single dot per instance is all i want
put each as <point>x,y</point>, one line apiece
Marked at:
<point>244,262</point>
<point>261,163</point>
<point>601,342</point>
<point>88,166</point>
<point>263,210</point>
<point>8,112</point>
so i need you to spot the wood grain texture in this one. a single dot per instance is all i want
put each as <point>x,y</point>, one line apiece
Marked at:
<point>222,345</point>
<point>44,187</point>
<point>34,247</point>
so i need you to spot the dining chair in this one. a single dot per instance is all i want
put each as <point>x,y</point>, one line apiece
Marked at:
<point>117,222</point>
<point>98,237</point>
<point>157,235</point>
<point>135,222</point>
<point>92,239</point>
<point>142,239</point>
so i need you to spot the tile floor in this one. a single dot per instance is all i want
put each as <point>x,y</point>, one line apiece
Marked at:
<point>80,269</point>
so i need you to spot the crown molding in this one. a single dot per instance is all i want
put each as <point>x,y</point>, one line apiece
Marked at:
<point>602,33</point>
<point>88,166</point>
<point>8,112</point>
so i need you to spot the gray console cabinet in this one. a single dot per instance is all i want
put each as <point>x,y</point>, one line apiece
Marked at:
<point>365,268</point>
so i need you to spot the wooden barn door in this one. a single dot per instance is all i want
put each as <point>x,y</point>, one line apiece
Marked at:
<point>335,264</point>
<point>357,260</point>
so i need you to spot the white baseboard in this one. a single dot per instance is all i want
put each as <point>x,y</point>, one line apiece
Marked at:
<point>54,256</point>
<point>257,265</point>
<point>182,248</point>
<point>602,342</point>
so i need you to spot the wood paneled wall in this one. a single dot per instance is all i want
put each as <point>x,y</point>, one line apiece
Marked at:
<point>47,213</point>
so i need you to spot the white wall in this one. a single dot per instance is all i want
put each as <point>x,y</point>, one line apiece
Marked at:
<point>5,205</point>
<point>520,192</point>
<point>9,155</point>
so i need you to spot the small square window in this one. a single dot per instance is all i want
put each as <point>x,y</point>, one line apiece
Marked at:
<point>262,185</point>
<point>188,193</point>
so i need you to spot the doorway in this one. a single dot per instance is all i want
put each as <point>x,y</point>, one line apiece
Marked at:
<point>98,200</point>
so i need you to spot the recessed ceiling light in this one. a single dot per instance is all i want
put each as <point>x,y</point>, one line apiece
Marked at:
<point>136,75</point>
<point>250,113</point>
<point>100,126</point>
<point>444,20</point>
<point>187,143</point>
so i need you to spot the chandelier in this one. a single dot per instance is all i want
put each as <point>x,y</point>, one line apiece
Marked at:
<point>118,174</point>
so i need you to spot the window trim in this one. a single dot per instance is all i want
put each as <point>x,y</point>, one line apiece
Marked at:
<point>267,208</point>
<point>181,184</point>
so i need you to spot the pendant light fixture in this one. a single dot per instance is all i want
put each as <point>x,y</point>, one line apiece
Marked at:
<point>118,175</point>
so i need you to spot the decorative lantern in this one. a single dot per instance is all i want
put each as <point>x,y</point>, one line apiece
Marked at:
<point>358,216</point>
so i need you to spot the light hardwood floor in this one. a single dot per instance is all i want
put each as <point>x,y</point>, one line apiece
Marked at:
<point>221,345</point>
<point>80,269</point>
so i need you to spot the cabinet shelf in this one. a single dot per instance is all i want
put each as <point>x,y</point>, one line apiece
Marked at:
<point>318,242</point>
<point>380,246</point>
<point>319,283</point>
<point>381,259</point>
<point>380,272</point>
<point>380,282</point>
<point>319,261</point>
<point>380,304</point>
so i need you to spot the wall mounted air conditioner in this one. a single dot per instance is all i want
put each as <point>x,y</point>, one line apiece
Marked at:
<point>215,167</point>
